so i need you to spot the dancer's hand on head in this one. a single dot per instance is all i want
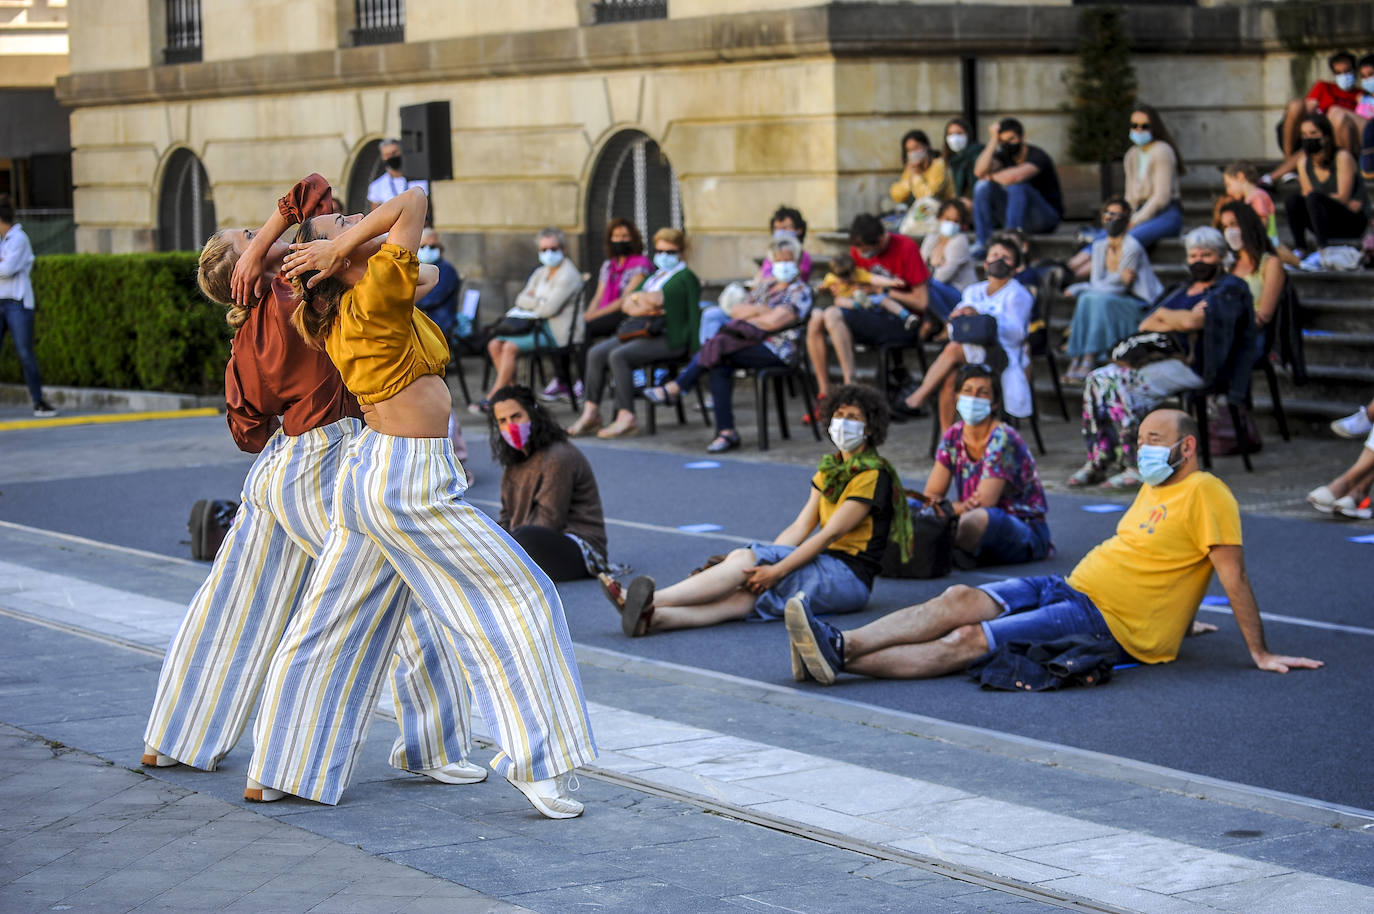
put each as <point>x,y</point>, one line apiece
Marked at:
<point>246,284</point>
<point>322,254</point>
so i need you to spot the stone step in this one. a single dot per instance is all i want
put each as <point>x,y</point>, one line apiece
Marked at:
<point>1342,348</point>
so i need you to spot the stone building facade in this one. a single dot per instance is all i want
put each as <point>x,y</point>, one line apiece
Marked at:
<point>716,112</point>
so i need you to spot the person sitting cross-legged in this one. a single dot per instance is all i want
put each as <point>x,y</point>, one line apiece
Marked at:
<point>1142,587</point>
<point>857,503</point>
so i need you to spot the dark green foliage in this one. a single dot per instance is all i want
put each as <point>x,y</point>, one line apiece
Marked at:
<point>132,321</point>
<point>1101,86</point>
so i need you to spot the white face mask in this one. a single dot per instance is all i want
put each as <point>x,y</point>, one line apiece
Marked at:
<point>949,229</point>
<point>1233,238</point>
<point>428,253</point>
<point>848,434</point>
<point>551,258</point>
<point>785,270</point>
<point>957,141</point>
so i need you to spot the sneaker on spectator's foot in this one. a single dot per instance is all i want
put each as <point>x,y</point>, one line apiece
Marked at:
<point>548,796</point>
<point>911,323</point>
<point>1323,499</point>
<point>556,391</point>
<point>43,410</point>
<point>819,644</point>
<point>1362,511</point>
<point>1355,425</point>
<point>459,772</point>
<point>153,758</point>
<point>1312,262</point>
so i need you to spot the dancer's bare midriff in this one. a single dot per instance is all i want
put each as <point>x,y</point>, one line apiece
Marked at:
<point>421,410</point>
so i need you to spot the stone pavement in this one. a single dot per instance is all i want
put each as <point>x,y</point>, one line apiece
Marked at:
<point>711,793</point>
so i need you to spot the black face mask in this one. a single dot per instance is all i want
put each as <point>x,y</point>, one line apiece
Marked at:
<point>1202,271</point>
<point>621,248</point>
<point>1115,227</point>
<point>394,163</point>
<point>1009,150</point>
<point>1313,145</point>
<point>998,269</point>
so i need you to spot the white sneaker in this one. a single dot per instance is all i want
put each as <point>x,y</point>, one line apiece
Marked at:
<point>459,772</point>
<point>1345,506</point>
<point>1322,499</point>
<point>261,794</point>
<point>549,797</point>
<point>1355,513</point>
<point>1355,425</point>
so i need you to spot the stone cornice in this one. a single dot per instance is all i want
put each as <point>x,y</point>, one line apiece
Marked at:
<point>840,30</point>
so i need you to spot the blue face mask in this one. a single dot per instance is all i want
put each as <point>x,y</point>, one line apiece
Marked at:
<point>428,254</point>
<point>1345,81</point>
<point>785,270</point>
<point>1152,460</point>
<point>666,261</point>
<point>973,410</point>
<point>1367,84</point>
<point>551,258</point>
<point>1141,137</point>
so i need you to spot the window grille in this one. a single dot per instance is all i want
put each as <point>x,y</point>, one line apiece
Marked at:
<point>379,21</point>
<point>629,10</point>
<point>183,32</point>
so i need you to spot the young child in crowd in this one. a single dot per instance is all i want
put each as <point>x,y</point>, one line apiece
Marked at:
<point>1241,180</point>
<point>854,287</point>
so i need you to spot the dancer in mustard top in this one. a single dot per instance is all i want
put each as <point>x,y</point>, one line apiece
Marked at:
<point>399,509</point>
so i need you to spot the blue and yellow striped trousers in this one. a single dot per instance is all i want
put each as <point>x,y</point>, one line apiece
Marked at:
<point>216,663</point>
<point>399,511</point>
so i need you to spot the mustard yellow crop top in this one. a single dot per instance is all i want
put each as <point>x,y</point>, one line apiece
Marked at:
<point>381,342</point>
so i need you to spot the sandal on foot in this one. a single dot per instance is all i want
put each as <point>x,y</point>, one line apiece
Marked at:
<point>725,441</point>
<point>659,396</point>
<point>583,426</point>
<point>639,607</point>
<point>613,591</point>
<point>619,429</point>
<point>1124,481</point>
<point>1086,475</point>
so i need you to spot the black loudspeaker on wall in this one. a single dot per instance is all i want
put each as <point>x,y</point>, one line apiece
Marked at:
<point>425,142</point>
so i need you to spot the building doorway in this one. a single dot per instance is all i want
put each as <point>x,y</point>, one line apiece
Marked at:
<point>632,180</point>
<point>186,207</point>
<point>367,167</point>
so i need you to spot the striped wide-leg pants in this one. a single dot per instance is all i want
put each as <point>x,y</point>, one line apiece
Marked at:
<point>399,510</point>
<point>215,665</point>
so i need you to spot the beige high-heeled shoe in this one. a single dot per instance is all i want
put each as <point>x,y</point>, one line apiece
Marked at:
<point>583,426</point>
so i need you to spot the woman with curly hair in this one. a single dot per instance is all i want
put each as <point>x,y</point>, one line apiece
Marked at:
<point>831,552</point>
<point>549,499</point>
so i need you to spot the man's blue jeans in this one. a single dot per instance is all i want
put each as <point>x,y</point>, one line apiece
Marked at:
<point>18,320</point>
<point>1014,206</point>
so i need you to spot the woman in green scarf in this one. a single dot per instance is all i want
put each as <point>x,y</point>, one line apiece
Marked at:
<point>856,502</point>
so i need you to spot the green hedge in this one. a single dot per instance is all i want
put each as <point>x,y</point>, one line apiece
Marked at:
<point>132,321</point>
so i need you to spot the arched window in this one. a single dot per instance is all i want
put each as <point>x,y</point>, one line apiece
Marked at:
<point>366,168</point>
<point>632,180</point>
<point>186,208</point>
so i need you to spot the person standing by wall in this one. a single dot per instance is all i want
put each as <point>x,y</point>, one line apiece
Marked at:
<point>16,303</point>
<point>393,180</point>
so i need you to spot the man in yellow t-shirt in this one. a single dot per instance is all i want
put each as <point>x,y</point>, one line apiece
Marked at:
<point>1141,588</point>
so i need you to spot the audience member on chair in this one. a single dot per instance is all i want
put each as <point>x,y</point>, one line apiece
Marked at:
<point>549,500</point>
<point>546,303</point>
<point>893,262</point>
<point>832,551</point>
<point>1010,304</point>
<point>441,303</point>
<point>622,272</point>
<point>1256,262</point>
<point>764,332</point>
<point>660,323</point>
<point>997,493</point>
<point>1108,307</point>
<point>1141,588</point>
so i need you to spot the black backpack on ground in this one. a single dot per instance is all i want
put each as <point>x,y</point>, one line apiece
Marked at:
<point>209,524</point>
<point>932,542</point>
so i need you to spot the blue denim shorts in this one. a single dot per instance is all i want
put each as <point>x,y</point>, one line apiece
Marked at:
<point>1010,540</point>
<point>1041,609</point>
<point>830,585</point>
<point>526,342</point>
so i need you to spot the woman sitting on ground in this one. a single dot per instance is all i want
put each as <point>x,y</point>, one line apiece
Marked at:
<point>946,253</point>
<point>1145,370</point>
<point>856,501</point>
<point>543,310</point>
<point>999,500</point>
<point>764,332</point>
<point>660,324</point>
<point>549,500</point>
<point>1010,304</point>
<point>1108,308</point>
<point>1257,263</point>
